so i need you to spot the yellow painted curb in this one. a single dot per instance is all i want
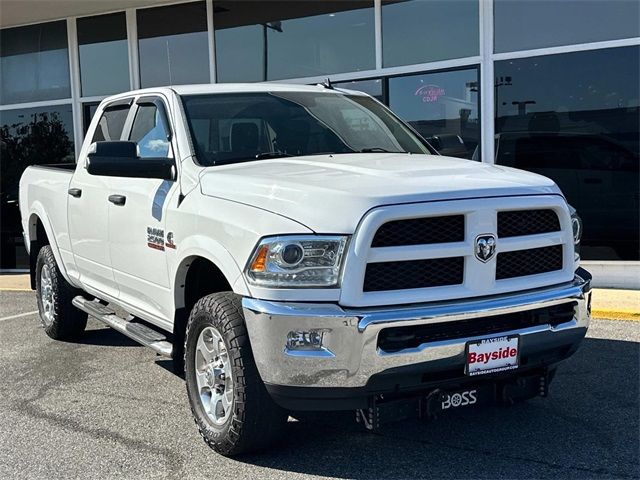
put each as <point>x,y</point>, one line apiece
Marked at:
<point>15,290</point>
<point>613,315</point>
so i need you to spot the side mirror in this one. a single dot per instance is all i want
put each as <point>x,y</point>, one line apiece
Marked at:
<point>120,159</point>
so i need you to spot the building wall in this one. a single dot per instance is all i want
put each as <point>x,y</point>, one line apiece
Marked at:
<point>548,86</point>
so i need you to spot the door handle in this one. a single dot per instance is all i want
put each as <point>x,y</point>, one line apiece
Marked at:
<point>117,199</point>
<point>75,192</point>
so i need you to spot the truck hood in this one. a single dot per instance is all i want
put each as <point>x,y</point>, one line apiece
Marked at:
<point>330,194</point>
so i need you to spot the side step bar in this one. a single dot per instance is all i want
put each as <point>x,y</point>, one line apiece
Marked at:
<point>139,332</point>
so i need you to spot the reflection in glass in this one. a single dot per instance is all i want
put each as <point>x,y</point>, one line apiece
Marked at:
<point>258,41</point>
<point>442,107</point>
<point>371,87</point>
<point>34,63</point>
<point>149,133</point>
<point>104,59</point>
<point>27,137</point>
<point>523,25</point>
<point>416,31</point>
<point>575,118</point>
<point>173,45</point>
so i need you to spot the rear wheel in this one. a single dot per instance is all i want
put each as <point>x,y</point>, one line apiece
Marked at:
<point>230,405</point>
<point>60,319</point>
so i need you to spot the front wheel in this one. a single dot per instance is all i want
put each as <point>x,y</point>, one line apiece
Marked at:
<point>60,319</point>
<point>230,404</point>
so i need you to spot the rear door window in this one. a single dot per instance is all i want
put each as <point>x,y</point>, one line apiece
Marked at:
<point>111,124</point>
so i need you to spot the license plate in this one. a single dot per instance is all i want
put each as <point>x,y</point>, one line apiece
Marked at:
<point>491,355</point>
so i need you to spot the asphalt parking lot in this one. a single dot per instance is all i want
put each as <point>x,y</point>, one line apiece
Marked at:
<point>106,407</point>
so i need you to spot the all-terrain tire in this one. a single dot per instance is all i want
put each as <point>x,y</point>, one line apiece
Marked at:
<point>60,319</point>
<point>254,421</point>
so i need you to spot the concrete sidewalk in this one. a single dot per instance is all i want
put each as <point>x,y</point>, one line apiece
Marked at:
<point>14,282</point>
<point>613,304</point>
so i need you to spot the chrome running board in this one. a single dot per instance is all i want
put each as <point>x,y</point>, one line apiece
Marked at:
<point>136,331</point>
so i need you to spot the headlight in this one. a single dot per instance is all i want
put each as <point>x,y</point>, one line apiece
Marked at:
<point>297,261</point>
<point>576,225</point>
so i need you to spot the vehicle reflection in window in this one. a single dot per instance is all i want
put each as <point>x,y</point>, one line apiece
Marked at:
<point>599,177</point>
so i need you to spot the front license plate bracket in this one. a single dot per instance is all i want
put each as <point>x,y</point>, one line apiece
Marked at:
<point>492,355</point>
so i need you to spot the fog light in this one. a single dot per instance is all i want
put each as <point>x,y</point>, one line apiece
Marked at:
<point>305,339</point>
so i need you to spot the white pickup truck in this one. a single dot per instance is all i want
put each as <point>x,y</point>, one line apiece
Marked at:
<point>301,248</point>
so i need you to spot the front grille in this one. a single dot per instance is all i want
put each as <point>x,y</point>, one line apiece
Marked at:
<point>528,262</point>
<point>400,338</point>
<point>527,222</point>
<point>435,272</point>
<point>420,231</point>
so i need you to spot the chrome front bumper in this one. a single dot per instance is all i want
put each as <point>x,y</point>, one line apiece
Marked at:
<point>350,356</point>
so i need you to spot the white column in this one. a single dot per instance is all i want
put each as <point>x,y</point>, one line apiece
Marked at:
<point>74,77</point>
<point>487,92</point>
<point>377,9</point>
<point>212,42</point>
<point>132,42</point>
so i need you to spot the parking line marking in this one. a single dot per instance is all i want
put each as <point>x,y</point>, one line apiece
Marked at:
<point>11,317</point>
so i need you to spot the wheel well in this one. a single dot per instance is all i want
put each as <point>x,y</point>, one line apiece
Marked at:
<point>202,278</point>
<point>37,239</point>
<point>196,278</point>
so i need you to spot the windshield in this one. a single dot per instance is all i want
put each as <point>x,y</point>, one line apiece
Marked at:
<point>239,127</point>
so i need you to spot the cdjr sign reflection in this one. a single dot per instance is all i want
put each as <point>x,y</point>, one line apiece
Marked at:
<point>430,93</point>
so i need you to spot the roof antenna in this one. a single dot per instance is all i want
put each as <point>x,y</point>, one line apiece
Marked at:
<point>327,83</point>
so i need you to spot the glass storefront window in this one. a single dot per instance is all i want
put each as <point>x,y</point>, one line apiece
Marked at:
<point>575,118</point>
<point>523,25</point>
<point>442,107</point>
<point>373,87</point>
<point>173,45</point>
<point>104,58</point>
<point>27,137</point>
<point>257,41</point>
<point>34,63</point>
<point>418,31</point>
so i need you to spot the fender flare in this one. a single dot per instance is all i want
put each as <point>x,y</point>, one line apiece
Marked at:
<point>38,210</point>
<point>207,248</point>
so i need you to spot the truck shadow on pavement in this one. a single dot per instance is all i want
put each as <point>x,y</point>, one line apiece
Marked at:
<point>587,427</point>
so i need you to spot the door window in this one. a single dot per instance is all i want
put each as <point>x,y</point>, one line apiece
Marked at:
<point>150,133</point>
<point>111,123</point>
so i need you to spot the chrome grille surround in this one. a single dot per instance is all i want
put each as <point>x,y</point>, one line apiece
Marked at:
<point>481,218</point>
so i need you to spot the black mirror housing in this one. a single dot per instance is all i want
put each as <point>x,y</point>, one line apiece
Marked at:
<point>114,149</point>
<point>120,159</point>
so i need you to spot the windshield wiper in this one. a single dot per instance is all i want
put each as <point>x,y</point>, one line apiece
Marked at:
<point>377,149</point>
<point>261,156</point>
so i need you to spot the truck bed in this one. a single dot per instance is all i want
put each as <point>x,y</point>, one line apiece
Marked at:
<point>43,192</point>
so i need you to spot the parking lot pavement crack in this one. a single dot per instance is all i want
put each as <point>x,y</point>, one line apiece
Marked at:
<point>552,465</point>
<point>129,398</point>
<point>29,407</point>
<point>174,461</point>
